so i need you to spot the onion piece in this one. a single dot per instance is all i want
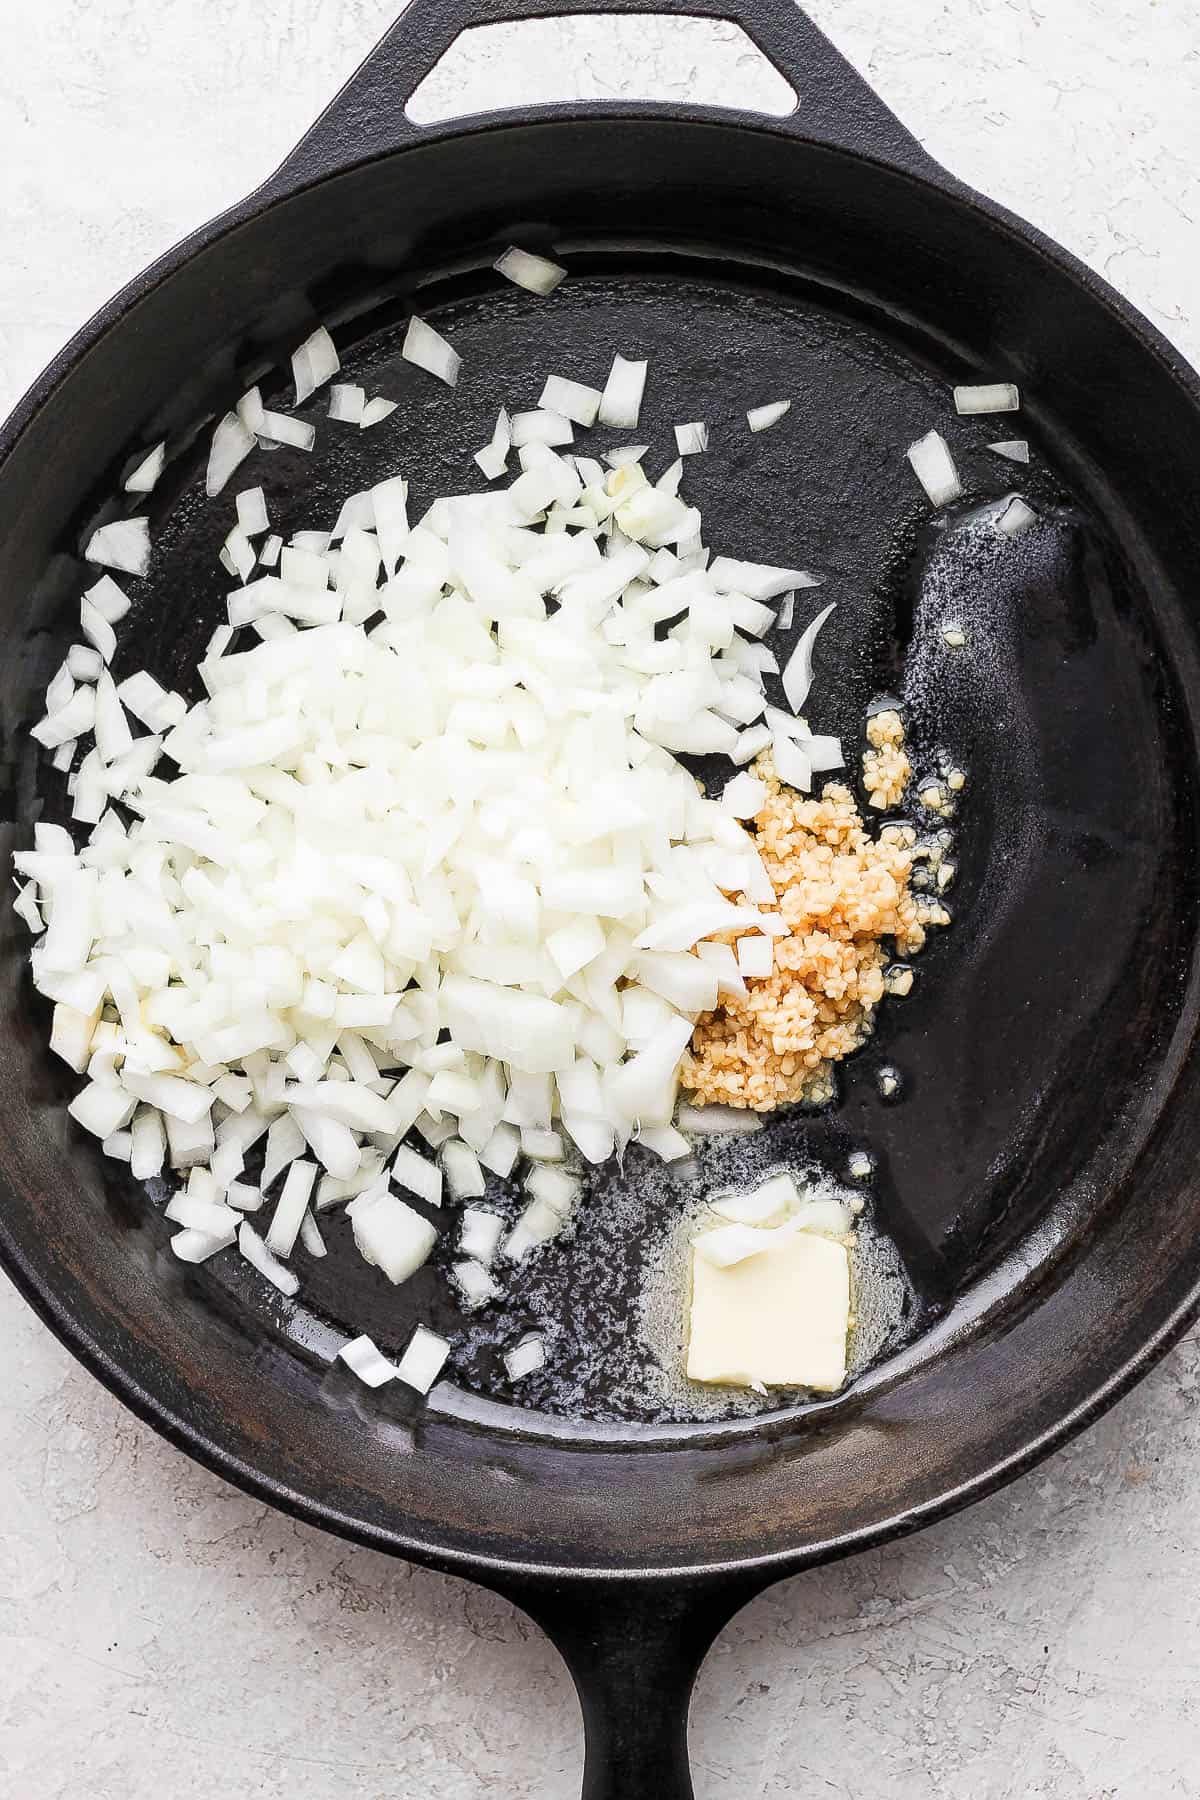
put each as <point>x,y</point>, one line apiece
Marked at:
<point>1012,449</point>
<point>27,910</point>
<point>252,512</point>
<point>1016,518</point>
<point>310,1236</point>
<point>364,1359</point>
<point>123,544</point>
<point>571,400</point>
<point>621,401</point>
<point>197,1246</point>
<point>428,350</point>
<point>767,1204</point>
<point>145,476</point>
<point>148,1147</point>
<point>84,663</point>
<point>60,690</point>
<point>481,1233</point>
<point>460,1165</point>
<point>423,1360</point>
<point>690,440</point>
<point>791,763</point>
<point>744,796</point>
<point>798,670</point>
<point>69,722</point>
<point>476,1285</point>
<point>231,445</point>
<point>314,363</point>
<point>525,1358</point>
<point>346,403</point>
<point>934,468</point>
<point>536,274</point>
<point>97,630</point>
<point>755,958</point>
<point>541,428</point>
<point>493,458</point>
<point>376,411</point>
<point>758,581</point>
<point>761,418</point>
<point>239,555</point>
<point>279,428</point>
<point>727,1245</point>
<point>102,1109</point>
<point>390,1234</point>
<point>624,455</point>
<point>996,397</point>
<point>250,411</point>
<point>664,1142</point>
<point>715,1121</point>
<point>290,1208</point>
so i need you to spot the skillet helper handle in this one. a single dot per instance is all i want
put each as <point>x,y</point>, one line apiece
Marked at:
<point>369,117</point>
<point>634,1653</point>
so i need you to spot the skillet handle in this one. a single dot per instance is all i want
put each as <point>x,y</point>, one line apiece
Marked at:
<point>369,118</point>
<point>634,1652</point>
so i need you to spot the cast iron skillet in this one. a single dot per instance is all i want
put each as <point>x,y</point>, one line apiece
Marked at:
<point>1039,1175</point>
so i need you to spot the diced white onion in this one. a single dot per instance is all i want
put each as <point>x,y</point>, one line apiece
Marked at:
<point>541,428</point>
<point>571,399</point>
<point>1016,518</point>
<point>364,1359</point>
<point>537,274</point>
<point>145,477</point>
<point>197,1246</point>
<point>934,468</point>
<point>423,1360</point>
<point>376,411</point>
<point>525,1358</point>
<point>714,1121</point>
<point>761,418</point>
<point>314,363</point>
<point>481,1233</point>
<point>460,1165</point>
<point>757,580</point>
<point>1012,449</point>
<point>252,511</point>
<point>690,440</point>
<point>231,445</point>
<point>428,817</point>
<point>429,350</point>
<point>798,670</point>
<point>123,544</point>
<point>281,428</point>
<point>346,403</point>
<point>998,397</point>
<point>493,458</point>
<point>744,796</point>
<point>290,1208</point>
<point>621,401</point>
<point>624,455</point>
<point>474,1283</point>
<point>390,1234</point>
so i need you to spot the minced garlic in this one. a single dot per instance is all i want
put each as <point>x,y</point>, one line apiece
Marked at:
<point>841,892</point>
<point>886,768</point>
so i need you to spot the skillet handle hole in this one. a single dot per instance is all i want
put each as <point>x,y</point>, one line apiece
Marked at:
<point>605,57</point>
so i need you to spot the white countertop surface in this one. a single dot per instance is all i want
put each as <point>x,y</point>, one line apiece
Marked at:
<point>163,1636</point>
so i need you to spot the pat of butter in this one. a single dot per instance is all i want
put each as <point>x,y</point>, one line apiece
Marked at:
<point>780,1318</point>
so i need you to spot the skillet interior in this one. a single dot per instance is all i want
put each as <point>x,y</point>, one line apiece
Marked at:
<point>1030,1177</point>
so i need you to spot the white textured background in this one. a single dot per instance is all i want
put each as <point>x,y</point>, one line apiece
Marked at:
<point>163,1637</point>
